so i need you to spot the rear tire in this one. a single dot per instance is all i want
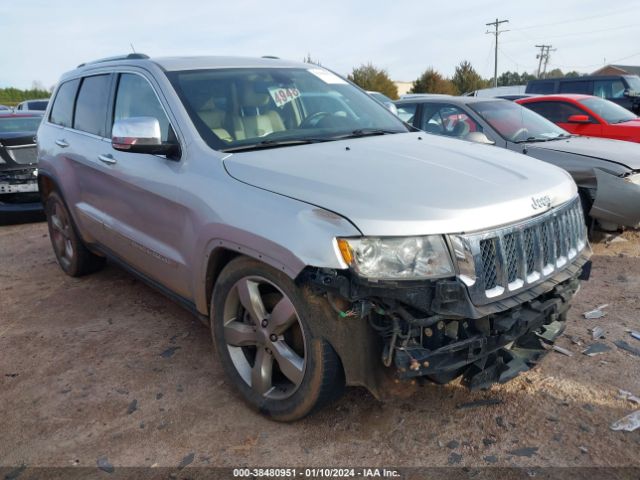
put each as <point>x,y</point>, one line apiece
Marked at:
<point>72,255</point>
<point>263,332</point>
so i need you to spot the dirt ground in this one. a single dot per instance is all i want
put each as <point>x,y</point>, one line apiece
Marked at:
<point>104,366</point>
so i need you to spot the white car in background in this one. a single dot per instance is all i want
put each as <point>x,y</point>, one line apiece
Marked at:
<point>383,99</point>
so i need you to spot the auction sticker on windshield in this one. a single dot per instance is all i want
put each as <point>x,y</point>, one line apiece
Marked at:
<point>326,76</point>
<point>282,96</point>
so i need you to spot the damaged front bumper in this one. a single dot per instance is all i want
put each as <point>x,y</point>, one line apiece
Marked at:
<point>491,349</point>
<point>19,192</point>
<point>617,199</point>
<point>434,330</point>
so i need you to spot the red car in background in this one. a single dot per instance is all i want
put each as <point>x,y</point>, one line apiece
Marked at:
<point>586,115</point>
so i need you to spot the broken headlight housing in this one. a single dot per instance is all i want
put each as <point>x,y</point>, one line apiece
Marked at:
<point>398,258</point>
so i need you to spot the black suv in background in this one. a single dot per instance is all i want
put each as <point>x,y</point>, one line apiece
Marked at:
<point>621,89</point>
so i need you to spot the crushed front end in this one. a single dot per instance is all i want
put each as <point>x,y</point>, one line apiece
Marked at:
<point>508,300</point>
<point>18,176</point>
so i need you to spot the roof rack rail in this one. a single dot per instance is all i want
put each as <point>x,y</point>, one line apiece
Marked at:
<point>130,56</point>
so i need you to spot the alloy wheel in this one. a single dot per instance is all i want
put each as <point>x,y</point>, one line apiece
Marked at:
<point>61,235</point>
<point>264,337</point>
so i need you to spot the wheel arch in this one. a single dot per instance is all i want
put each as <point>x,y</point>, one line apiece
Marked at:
<point>47,184</point>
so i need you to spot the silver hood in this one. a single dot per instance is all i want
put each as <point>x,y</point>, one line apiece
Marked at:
<point>618,151</point>
<point>408,184</point>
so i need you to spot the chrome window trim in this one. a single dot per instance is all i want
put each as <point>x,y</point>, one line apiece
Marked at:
<point>115,71</point>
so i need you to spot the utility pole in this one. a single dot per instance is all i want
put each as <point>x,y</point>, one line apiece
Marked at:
<point>496,33</point>
<point>543,56</point>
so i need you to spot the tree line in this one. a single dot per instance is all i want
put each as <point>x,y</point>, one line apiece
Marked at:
<point>12,96</point>
<point>465,79</point>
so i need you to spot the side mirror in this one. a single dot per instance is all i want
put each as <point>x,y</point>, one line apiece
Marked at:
<point>479,137</point>
<point>578,119</point>
<point>140,135</point>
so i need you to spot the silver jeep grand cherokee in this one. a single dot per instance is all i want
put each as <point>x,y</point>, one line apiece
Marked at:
<point>316,233</point>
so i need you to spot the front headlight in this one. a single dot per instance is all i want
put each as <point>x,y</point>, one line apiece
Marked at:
<point>403,258</point>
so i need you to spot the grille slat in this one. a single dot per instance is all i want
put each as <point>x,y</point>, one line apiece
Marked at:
<point>529,250</point>
<point>489,257</point>
<point>511,257</point>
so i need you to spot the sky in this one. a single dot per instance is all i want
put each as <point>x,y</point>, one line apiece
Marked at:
<point>41,39</point>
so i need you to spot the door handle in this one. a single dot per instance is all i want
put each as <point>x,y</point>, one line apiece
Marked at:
<point>61,142</point>
<point>108,159</point>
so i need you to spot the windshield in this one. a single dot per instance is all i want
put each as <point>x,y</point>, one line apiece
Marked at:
<point>19,124</point>
<point>516,123</point>
<point>609,111</point>
<point>244,107</point>
<point>634,84</point>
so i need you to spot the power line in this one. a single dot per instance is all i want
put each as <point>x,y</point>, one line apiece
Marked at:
<point>610,14</point>
<point>580,33</point>
<point>496,33</point>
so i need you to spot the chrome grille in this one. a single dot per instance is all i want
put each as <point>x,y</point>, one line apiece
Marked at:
<point>500,262</point>
<point>23,154</point>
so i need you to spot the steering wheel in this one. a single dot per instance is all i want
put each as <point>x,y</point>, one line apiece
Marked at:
<point>313,119</point>
<point>521,131</point>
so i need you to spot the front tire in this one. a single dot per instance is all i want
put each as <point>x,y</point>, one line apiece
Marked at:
<point>72,256</point>
<point>262,329</point>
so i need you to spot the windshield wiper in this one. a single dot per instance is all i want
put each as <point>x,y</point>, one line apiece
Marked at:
<point>271,144</point>
<point>365,132</point>
<point>534,140</point>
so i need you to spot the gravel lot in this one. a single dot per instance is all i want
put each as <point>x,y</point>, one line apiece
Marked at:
<point>104,366</point>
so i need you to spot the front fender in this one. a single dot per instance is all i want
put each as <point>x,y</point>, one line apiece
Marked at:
<point>306,239</point>
<point>617,199</point>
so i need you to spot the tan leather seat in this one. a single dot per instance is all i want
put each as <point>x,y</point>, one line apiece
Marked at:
<point>256,120</point>
<point>215,119</point>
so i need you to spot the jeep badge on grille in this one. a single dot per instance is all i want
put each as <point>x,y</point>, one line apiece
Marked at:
<point>540,202</point>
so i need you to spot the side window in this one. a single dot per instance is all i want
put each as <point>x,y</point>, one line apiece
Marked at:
<point>557,112</point>
<point>62,109</point>
<point>91,106</point>
<point>407,111</point>
<point>576,87</point>
<point>136,98</point>
<point>450,121</point>
<point>541,87</point>
<point>608,88</point>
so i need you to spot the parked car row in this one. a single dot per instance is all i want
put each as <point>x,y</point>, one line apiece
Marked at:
<point>621,89</point>
<point>323,240</point>
<point>607,172</point>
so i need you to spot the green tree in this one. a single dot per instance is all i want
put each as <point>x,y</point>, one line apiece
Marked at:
<point>555,73</point>
<point>466,79</point>
<point>431,81</point>
<point>369,77</point>
<point>509,78</point>
<point>13,96</point>
<point>572,74</point>
<point>514,78</point>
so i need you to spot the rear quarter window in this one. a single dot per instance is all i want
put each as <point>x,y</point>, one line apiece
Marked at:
<point>541,87</point>
<point>62,109</point>
<point>585,87</point>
